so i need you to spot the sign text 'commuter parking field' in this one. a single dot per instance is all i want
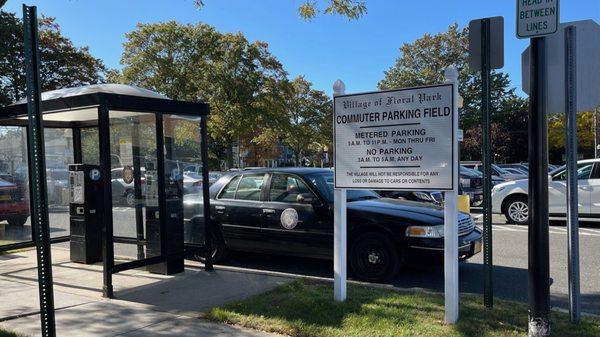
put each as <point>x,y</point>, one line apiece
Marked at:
<point>395,140</point>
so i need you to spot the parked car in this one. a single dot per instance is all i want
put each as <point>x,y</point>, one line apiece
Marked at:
<point>515,171</point>
<point>471,184</point>
<point>57,180</point>
<point>290,211</point>
<point>510,198</point>
<point>14,202</point>
<point>122,192</point>
<point>497,171</point>
<point>195,170</point>
<point>519,166</point>
<point>430,197</point>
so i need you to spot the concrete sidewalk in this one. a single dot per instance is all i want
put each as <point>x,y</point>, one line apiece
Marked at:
<point>145,304</point>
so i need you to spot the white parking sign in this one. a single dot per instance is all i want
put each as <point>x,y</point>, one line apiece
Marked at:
<point>395,140</point>
<point>536,18</point>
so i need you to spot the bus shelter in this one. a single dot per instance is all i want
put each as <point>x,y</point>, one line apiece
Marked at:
<point>115,176</point>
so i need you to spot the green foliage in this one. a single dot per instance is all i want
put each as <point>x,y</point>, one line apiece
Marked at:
<point>557,136</point>
<point>306,308</point>
<point>62,64</point>
<point>241,80</point>
<point>352,9</point>
<point>310,117</point>
<point>423,62</point>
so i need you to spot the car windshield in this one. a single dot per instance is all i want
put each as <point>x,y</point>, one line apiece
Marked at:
<point>324,183</point>
<point>499,169</point>
<point>192,175</point>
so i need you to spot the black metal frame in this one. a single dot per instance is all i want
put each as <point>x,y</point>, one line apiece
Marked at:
<point>106,102</point>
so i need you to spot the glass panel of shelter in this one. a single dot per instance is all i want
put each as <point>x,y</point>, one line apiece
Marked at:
<point>15,225</point>
<point>58,147</point>
<point>135,209</point>
<point>183,175</point>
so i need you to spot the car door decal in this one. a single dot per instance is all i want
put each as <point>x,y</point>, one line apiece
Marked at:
<point>289,218</point>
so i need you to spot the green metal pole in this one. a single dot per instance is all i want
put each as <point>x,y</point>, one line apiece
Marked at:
<point>488,292</point>
<point>35,133</point>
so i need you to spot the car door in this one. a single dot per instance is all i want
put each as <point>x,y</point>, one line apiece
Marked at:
<point>594,184</point>
<point>238,209</point>
<point>557,190</point>
<point>295,219</point>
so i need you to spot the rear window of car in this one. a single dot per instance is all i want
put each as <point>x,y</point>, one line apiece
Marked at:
<point>249,187</point>
<point>229,190</point>
<point>244,187</point>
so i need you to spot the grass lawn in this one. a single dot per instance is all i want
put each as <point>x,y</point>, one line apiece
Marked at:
<point>4,333</point>
<point>306,308</point>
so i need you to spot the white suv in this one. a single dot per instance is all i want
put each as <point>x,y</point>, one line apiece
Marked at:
<point>510,198</point>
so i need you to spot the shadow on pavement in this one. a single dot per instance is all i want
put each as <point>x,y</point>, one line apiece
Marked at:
<point>509,283</point>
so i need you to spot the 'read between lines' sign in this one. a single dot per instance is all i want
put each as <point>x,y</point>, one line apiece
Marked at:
<point>395,140</point>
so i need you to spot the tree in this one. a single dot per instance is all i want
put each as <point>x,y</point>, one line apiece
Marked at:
<point>62,64</point>
<point>423,62</point>
<point>310,119</point>
<point>240,79</point>
<point>471,145</point>
<point>557,137</point>
<point>352,9</point>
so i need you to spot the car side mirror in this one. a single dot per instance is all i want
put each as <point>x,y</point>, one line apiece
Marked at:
<point>305,198</point>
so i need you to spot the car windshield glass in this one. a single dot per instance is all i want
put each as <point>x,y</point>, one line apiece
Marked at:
<point>498,169</point>
<point>583,172</point>
<point>324,183</point>
<point>192,175</point>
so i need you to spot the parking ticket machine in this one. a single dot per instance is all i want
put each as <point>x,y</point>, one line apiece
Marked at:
<point>173,220</point>
<point>85,210</point>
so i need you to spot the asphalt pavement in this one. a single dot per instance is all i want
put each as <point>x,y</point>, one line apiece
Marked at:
<point>509,258</point>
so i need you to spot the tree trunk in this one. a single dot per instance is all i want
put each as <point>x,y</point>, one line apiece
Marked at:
<point>229,154</point>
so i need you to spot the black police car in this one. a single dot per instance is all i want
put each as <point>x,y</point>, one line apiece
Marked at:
<point>290,211</point>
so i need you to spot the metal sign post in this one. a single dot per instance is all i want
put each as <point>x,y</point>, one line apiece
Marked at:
<point>339,227</point>
<point>572,82</point>
<point>572,188</point>
<point>37,169</point>
<point>535,19</point>
<point>486,52</point>
<point>539,253</point>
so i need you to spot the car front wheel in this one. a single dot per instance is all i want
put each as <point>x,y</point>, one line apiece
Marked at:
<point>517,211</point>
<point>374,258</point>
<point>17,221</point>
<point>219,249</point>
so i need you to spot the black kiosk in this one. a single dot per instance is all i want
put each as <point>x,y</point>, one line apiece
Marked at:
<point>85,208</point>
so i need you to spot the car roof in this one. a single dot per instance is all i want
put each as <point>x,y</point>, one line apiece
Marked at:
<point>293,170</point>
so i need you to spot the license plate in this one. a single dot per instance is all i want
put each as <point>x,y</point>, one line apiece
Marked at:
<point>477,247</point>
<point>5,197</point>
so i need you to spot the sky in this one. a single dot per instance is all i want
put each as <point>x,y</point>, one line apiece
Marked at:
<point>323,49</point>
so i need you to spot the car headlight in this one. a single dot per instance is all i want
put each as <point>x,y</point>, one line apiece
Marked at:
<point>497,189</point>
<point>465,182</point>
<point>423,196</point>
<point>425,231</point>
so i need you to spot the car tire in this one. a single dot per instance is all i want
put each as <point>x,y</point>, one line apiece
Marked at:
<point>219,249</point>
<point>130,198</point>
<point>17,221</point>
<point>516,211</point>
<point>374,258</point>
